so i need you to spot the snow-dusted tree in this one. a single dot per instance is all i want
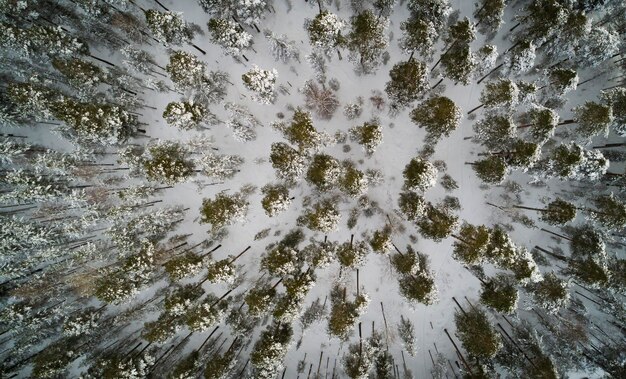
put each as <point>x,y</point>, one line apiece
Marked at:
<point>229,36</point>
<point>186,71</point>
<point>353,181</point>
<point>41,40</point>
<point>139,60</point>
<point>276,199</point>
<point>520,58</point>
<point>616,98</point>
<point>344,314</point>
<point>436,11</point>
<point>486,56</point>
<point>282,48</point>
<point>562,80</point>
<point>323,217</point>
<point>592,119</point>
<point>367,40</point>
<point>416,282</point>
<point>489,15</point>
<point>325,31</point>
<point>609,211</point>
<point>116,364</point>
<point>224,210</point>
<point>471,244</point>
<point>324,172</point>
<point>419,35</point>
<point>219,166</point>
<point>477,334</point>
<point>319,254</point>
<point>80,74</point>
<point>186,115</point>
<point>282,260</point>
<point>495,131</point>
<point>181,266</point>
<point>408,82</point>
<point>359,360</point>
<point>205,314</point>
<point>289,305</point>
<point>352,254</point>
<point>520,155</point>
<point>318,63</point>
<point>551,293</point>
<point>270,349</point>
<point>597,46</point>
<point>166,161</point>
<point>419,175</point>
<point>262,83</point>
<point>168,27</point>
<point>260,299</point>
<point>242,121</point>
<point>572,161</point>
<point>302,133</point>
<point>381,240</point>
<point>542,122</point>
<point>287,161</point>
<point>322,101</point>
<point>369,135</point>
<point>412,205</point>
<point>181,299</point>
<point>458,63</point>
<point>96,123</point>
<point>500,293</point>
<point>502,93</point>
<point>406,331</point>
<point>353,110</point>
<point>491,170</point>
<point>438,115</point>
<point>437,223</point>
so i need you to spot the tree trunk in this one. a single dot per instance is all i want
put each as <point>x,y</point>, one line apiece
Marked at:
<point>459,305</point>
<point>439,82</point>
<point>161,5</point>
<point>467,366</point>
<point>197,48</point>
<point>557,256</point>
<point>490,72</point>
<point>555,234</point>
<point>240,254</point>
<point>475,109</point>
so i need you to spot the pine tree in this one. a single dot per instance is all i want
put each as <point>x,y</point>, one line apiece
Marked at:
<point>419,175</point>
<point>499,93</point>
<point>542,122</point>
<point>344,314</point>
<point>477,334</point>
<point>520,58</point>
<point>185,115</point>
<point>229,36</point>
<point>352,182</point>
<point>224,210</point>
<point>351,254</point>
<point>436,11</point>
<point>572,161</point>
<point>270,349</point>
<point>276,199</point>
<point>592,119</point>
<point>219,166</point>
<point>471,244</point>
<point>408,82</point>
<point>323,217</point>
<point>438,115</point>
<point>325,31</point>
<point>287,161</point>
<point>551,293</point>
<point>406,331</point>
<point>437,223</point>
<point>500,294</point>
<point>369,135</point>
<point>301,132</point>
<point>367,40</point>
<point>186,71</point>
<point>323,101</point>
<point>168,27</point>
<point>262,83</point>
<point>324,172</point>
<point>609,211</point>
<point>419,35</point>
<point>412,205</point>
<point>616,98</point>
<point>489,15</point>
<point>166,162</point>
<point>282,48</point>
<point>491,170</point>
<point>459,63</point>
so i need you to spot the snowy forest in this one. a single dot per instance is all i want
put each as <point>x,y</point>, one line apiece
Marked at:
<point>315,189</point>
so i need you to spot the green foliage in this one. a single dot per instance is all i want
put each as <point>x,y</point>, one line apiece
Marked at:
<point>500,294</point>
<point>223,210</point>
<point>551,293</point>
<point>471,244</point>
<point>381,240</point>
<point>323,217</point>
<point>287,161</point>
<point>458,63</point>
<point>160,330</point>
<point>352,254</point>
<point>412,205</point>
<point>593,119</point>
<point>301,131</point>
<point>323,172</point>
<point>260,299</point>
<point>610,212</point>
<point>276,199</point>
<point>344,314</point>
<point>437,223</point>
<point>408,81</point>
<point>419,175</point>
<point>367,39</point>
<point>353,181</point>
<point>559,212</point>
<point>369,135</point>
<point>438,115</point>
<point>167,163</point>
<point>476,333</point>
<point>491,170</point>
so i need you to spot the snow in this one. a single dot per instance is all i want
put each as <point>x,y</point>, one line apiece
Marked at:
<point>244,160</point>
